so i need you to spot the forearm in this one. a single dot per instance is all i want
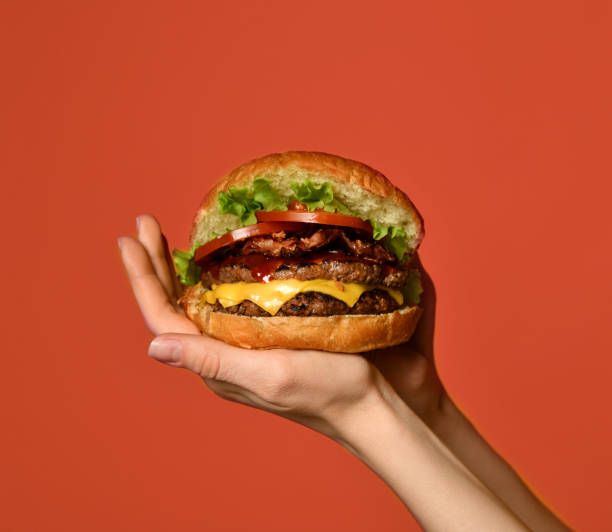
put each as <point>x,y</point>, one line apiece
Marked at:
<point>460,436</point>
<point>440,492</point>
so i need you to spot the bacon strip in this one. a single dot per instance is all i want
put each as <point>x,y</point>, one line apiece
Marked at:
<point>281,245</point>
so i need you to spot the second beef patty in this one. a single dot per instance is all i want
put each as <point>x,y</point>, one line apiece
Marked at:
<point>345,272</point>
<point>317,304</point>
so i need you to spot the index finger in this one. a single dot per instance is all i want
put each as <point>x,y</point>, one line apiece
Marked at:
<point>151,237</point>
<point>157,310</point>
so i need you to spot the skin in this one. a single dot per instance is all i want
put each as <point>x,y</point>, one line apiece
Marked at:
<point>388,407</point>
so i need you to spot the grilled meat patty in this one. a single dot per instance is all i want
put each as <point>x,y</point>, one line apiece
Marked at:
<point>346,272</point>
<point>317,253</point>
<point>317,304</point>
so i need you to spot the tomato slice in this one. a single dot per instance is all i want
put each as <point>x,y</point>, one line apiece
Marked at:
<point>243,233</point>
<point>314,217</point>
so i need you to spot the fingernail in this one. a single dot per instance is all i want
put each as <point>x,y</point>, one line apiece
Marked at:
<point>120,242</point>
<point>166,350</point>
<point>138,224</point>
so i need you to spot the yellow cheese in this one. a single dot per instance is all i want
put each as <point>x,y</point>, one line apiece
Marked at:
<point>273,295</point>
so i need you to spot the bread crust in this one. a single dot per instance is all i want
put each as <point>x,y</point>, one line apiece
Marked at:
<point>341,334</point>
<point>352,172</point>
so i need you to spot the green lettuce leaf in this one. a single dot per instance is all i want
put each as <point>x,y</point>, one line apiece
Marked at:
<point>319,197</point>
<point>239,201</point>
<point>336,206</point>
<point>186,269</point>
<point>244,202</point>
<point>396,241</point>
<point>413,288</point>
<point>313,196</point>
<point>267,197</point>
<point>380,230</point>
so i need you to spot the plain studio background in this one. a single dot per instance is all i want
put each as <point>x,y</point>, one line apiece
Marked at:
<point>494,117</point>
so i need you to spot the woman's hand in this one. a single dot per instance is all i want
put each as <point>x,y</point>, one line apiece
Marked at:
<point>410,367</point>
<point>341,395</point>
<point>315,388</point>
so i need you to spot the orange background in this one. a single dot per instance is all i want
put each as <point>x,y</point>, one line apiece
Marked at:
<point>495,118</point>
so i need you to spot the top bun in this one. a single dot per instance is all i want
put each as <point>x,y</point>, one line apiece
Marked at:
<point>361,188</point>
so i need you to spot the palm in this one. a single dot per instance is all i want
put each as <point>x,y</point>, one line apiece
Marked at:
<point>273,379</point>
<point>332,378</point>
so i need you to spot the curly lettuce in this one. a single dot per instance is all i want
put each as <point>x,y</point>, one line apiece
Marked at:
<point>395,241</point>
<point>413,288</point>
<point>318,197</point>
<point>237,201</point>
<point>186,269</point>
<point>244,202</point>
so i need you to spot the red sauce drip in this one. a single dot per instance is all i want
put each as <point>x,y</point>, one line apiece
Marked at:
<point>213,268</point>
<point>261,266</point>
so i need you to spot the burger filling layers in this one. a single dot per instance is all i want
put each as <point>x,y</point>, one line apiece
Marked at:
<point>320,271</point>
<point>306,255</point>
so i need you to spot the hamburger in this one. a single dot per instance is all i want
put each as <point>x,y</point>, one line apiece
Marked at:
<point>303,250</point>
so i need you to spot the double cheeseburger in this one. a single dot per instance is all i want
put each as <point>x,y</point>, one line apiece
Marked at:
<point>303,250</point>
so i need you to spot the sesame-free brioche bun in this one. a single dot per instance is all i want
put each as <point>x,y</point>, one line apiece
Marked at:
<point>361,188</point>
<point>364,191</point>
<point>341,334</point>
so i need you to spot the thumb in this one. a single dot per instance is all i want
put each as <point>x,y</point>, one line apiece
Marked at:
<point>212,359</point>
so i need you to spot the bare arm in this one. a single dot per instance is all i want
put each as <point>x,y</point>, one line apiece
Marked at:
<point>440,491</point>
<point>458,433</point>
<point>412,372</point>
<point>340,395</point>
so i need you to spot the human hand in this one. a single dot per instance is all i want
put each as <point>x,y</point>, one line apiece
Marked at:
<point>340,395</point>
<point>410,367</point>
<point>318,389</point>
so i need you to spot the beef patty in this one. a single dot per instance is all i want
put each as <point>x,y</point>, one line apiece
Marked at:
<point>345,272</point>
<point>317,304</point>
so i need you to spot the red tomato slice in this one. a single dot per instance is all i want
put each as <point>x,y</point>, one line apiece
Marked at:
<point>243,233</point>
<point>315,217</point>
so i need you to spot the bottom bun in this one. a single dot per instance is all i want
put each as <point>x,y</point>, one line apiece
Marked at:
<point>351,333</point>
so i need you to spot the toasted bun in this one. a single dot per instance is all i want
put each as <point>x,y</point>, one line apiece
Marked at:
<point>361,188</point>
<point>342,333</point>
<point>364,191</point>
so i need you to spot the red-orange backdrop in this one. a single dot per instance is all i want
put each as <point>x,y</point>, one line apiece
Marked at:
<point>494,116</point>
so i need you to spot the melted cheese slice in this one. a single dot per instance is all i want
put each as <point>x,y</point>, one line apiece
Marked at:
<point>273,295</point>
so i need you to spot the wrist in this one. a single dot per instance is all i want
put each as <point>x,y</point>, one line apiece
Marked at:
<point>447,419</point>
<point>365,422</point>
